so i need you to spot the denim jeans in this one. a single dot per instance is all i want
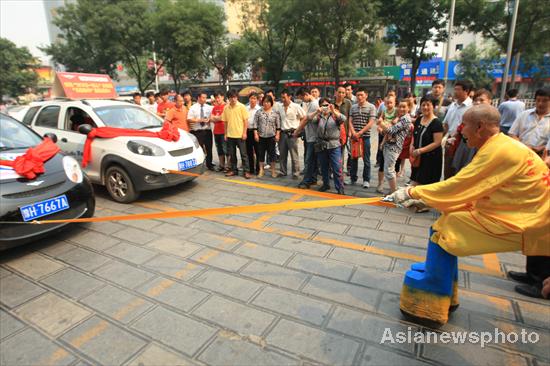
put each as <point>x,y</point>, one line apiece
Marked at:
<point>310,158</point>
<point>332,158</point>
<point>366,162</point>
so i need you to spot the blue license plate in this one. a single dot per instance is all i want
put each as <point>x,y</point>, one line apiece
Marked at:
<point>43,208</point>
<point>187,164</point>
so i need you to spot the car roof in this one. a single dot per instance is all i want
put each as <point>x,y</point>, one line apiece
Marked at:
<point>94,103</point>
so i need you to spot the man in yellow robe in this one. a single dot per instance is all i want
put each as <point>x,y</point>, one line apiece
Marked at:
<point>499,202</point>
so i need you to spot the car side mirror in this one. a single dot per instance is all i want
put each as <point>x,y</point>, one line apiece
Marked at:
<point>51,136</point>
<point>85,129</point>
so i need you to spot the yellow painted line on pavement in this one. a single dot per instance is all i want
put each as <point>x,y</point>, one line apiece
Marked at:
<point>261,220</point>
<point>156,206</point>
<point>491,262</point>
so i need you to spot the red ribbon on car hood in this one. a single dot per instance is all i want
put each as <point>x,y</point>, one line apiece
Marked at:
<point>168,133</point>
<point>31,163</point>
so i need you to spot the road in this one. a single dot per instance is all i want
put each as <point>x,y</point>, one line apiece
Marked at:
<point>300,287</point>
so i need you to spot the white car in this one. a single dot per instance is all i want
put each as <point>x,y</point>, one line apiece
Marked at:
<point>124,165</point>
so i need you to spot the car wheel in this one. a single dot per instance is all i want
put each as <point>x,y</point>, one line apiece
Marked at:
<point>90,209</point>
<point>119,185</point>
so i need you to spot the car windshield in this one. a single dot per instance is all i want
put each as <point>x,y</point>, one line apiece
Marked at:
<point>123,116</point>
<point>14,135</point>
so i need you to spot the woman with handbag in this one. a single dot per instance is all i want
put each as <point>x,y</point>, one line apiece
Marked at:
<point>328,145</point>
<point>426,154</point>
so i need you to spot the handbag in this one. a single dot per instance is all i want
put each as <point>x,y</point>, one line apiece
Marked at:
<point>356,148</point>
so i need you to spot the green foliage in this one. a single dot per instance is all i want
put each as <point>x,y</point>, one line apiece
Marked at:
<point>17,65</point>
<point>228,57</point>
<point>476,65</point>
<point>411,24</point>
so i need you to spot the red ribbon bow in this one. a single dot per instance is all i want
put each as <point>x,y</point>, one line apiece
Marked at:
<point>31,163</point>
<point>167,133</point>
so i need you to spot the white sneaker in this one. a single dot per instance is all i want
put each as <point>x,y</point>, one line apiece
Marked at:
<point>267,166</point>
<point>348,182</point>
<point>366,184</point>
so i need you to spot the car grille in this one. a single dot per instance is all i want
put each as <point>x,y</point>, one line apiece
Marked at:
<point>181,152</point>
<point>34,192</point>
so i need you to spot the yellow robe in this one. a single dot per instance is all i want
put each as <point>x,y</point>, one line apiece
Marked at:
<point>499,202</point>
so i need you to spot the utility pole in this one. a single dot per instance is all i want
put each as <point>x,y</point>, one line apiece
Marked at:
<point>156,71</point>
<point>449,37</point>
<point>509,51</point>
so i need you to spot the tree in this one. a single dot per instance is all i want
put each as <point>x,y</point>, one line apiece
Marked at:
<point>411,25</point>
<point>272,27</point>
<point>492,18</point>
<point>477,65</point>
<point>227,57</point>
<point>17,65</point>
<point>339,27</point>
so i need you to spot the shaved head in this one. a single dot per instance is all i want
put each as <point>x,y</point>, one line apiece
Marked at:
<point>480,123</point>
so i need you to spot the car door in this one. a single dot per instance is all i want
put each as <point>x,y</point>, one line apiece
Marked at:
<point>68,138</point>
<point>47,120</point>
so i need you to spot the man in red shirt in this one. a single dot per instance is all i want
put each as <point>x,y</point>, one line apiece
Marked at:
<point>165,104</point>
<point>219,131</point>
<point>177,115</point>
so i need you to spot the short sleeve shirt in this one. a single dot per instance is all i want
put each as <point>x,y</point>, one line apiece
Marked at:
<point>454,115</point>
<point>360,116</point>
<point>234,117</point>
<point>292,116</point>
<point>311,128</point>
<point>178,117</point>
<point>530,130</point>
<point>509,112</point>
<point>219,128</point>
<point>163,107</point>
<point>251,114</point>
<point>195,113</point>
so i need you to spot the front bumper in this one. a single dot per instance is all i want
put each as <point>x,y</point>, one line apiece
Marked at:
<point>81,201</point>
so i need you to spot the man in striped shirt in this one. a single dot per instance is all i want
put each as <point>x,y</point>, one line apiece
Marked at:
<point>361,119</point>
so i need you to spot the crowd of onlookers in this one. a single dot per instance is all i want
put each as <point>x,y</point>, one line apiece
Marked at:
<point>338,129</point>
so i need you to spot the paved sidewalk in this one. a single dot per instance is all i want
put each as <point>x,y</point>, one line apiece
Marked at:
<point>299,287</point>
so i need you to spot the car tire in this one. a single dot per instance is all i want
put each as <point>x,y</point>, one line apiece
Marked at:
<point>119,185</point>
<point>90,209</point>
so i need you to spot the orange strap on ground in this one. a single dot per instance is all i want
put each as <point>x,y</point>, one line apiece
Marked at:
<point>233,210</point>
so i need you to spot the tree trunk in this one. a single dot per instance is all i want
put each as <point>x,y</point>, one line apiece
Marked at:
<point>336,71</point>
<point>414,69</point>
<point>515,70</point>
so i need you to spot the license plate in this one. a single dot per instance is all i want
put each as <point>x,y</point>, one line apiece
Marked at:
<point>187,164</point>
<point>43,208</point>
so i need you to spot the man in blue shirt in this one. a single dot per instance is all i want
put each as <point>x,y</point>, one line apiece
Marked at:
<point>510,110</point>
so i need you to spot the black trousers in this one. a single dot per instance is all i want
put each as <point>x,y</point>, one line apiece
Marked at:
<point>232,145</point>
<point>266,145</point>
<point>252,152</point>
<point>538,268</point>
<point>206,141</point>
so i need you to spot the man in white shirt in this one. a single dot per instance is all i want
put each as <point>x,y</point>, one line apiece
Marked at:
<point>199,121</point>
<point>251,144</point>
<point>310,105</point>
<point>532,127</point>
<point>349,93</point>
<point>292,116</point>
<point>510,110</point>
<point>453,119</point>
<point>151,102</point>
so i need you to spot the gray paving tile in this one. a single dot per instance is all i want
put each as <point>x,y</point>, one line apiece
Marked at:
<point>9,324</point>
<point>373,234</point>
<point>116,304</point>
<point>240,318</point>
<point>253,236</point>
<point>343,210</point>
<point>180,296</point>
<point>296,306</point>
<point>383,217</point>
<point>15,290</point>
<point>374,356</point>
<point>184,334</point>
<point>302,246</point>
<point>470,354</point>
<point>96,337</point>
<point>404,229</point>
<point>134,235</point>
<point>209,226</point>
<point>57,248</point>
<point>176,228</point>
<point>225,351</point>
<point>219,241</point>
<point>321,266</point>
<point>226,284</point>
<point>491,305</point>
<point>123,274</point>
<point>107,227</point>
<point>94,240</point>
<point>212,257</point>
<point>383,280</point>
<point>361,258</point>
<point>496,286</point>
<point>155,355</point>
<point>174,267</point>
<point>317,215</point>
<point>264,253</point>
<point>368,327</point>
<point>34,265</point>
<point>31,348</point>
<point>175,246</point>
<point>355,221</point>
<point>72,283</point>
<point>330,227</point>
<point>313,343</point>
<point>131,253</point>
<point>275,275</point>
<point>83,259</point>
<point>534,314</point>
<point>285,219</point>
<point>4,272</point>
<point>292,230</point>
<point>344,293</point>
<point>143,224</point>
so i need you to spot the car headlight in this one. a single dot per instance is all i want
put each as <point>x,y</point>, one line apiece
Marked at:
<point>195,140</point>
<point>145,148</point>
<point>72,169</point>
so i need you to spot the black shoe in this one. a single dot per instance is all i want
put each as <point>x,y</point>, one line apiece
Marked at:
<point>303,185</point>
<point>341,192</point>
<point>211,168</point>
<point>522,277</point>
<point>324,188</point>
<point>529,290</point>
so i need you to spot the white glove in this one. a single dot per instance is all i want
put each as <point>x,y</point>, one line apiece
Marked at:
<point>399,196</point>
<point>419,204</point>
